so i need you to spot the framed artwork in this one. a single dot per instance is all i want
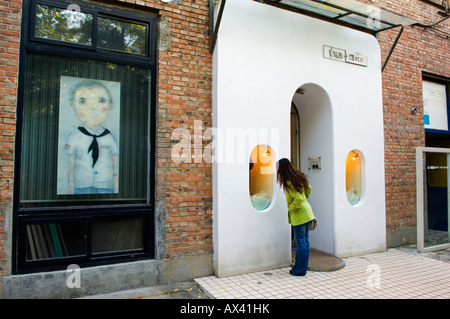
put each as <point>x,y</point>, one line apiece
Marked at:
<point>88,136</point>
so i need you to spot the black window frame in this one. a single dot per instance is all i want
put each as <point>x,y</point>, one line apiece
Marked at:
<point>85,213</point>
<point>446,83</point>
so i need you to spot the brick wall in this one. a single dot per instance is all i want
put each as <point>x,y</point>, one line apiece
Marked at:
<point>184,190</point>
<point>420,50</point>
<point>10,15</point>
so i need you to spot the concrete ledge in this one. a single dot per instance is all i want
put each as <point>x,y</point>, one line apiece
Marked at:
<point>185,268</point>
<point>401,237</point>
<point>105,279</point>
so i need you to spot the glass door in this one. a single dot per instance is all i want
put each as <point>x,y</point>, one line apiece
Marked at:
<point>433,210</point>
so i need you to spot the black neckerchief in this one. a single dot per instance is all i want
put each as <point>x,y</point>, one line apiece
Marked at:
<point>94,145</point>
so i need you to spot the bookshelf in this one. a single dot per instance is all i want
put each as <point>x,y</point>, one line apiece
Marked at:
<point>45,241</point>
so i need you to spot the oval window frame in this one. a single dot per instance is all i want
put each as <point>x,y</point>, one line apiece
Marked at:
<point>355,183</point>
<point>261,170</point>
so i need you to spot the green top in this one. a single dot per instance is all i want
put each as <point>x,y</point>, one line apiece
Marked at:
<point>299,210</point>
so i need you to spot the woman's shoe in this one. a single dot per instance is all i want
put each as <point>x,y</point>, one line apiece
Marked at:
<point>299,275</point>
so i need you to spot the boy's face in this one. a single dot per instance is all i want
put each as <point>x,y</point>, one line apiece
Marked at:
<point>91,105</point>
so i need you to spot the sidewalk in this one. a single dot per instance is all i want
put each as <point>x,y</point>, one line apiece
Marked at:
<point>396,273</point>
<point>400,273</point>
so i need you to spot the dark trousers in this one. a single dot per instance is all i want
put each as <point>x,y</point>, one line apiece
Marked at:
<point>301,233</point>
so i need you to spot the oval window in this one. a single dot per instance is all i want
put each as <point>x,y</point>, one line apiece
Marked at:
<point>261,177</point>
<point>353,177</point>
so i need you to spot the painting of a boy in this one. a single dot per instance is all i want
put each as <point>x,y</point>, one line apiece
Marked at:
<point>92,149</point>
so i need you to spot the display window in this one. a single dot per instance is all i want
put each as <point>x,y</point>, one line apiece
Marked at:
<point>353,177</point>
<point>435,95</point>
<point>261,177</point>
<point>85,135</point>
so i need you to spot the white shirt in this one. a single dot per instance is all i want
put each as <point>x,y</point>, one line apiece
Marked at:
<point>102,174</point>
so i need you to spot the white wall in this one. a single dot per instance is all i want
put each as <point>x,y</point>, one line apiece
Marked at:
<point>262,56</point>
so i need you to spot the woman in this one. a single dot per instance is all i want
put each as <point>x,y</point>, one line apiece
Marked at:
<point>297,189</point>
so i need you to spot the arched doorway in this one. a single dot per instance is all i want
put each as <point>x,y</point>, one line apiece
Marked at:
<point>312,148</point>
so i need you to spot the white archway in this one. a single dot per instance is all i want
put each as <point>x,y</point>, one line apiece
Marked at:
<point>316,141</point>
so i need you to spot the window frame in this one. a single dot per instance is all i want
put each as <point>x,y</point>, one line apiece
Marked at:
<point>31,42</point>
<point>254,180</point>
<point>446,83</point>
<point>25,216</point>
<point>60,5</point>
<point>362,176</point>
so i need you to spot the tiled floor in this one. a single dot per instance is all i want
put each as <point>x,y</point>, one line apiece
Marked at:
<point>390,274</point>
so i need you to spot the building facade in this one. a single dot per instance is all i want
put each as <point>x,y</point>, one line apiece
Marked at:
<point>154,207</point>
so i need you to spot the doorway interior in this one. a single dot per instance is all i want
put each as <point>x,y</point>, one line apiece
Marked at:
<point>312,142</point>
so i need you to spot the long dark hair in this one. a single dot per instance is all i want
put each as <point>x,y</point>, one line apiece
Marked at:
<point>286,172</point>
